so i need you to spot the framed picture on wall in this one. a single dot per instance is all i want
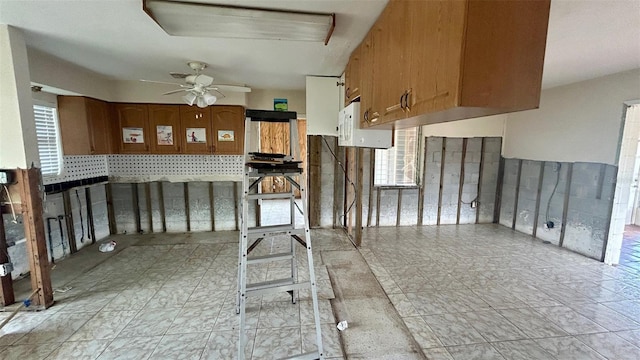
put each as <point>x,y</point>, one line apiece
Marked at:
<point>196,135</point>
<point>226,135</point>
<point>132,135</point>
<point>164,133</point>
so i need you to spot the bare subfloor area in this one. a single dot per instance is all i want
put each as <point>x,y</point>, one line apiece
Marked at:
<point>447,292</point>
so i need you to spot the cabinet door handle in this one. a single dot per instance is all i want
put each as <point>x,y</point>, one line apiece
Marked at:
<point>366,116</point>
<point>402,97</point>
<point>406,100</point>
<point>347,92</point>
<point>375,117</point>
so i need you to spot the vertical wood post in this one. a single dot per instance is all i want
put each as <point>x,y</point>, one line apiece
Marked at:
<point>399,208</point>
<point>314,181</point>
<point>235,204</point>
<point>68,219</point>
<point>163,215</point>
<point>517,196</point>
<point>539,192</point>
<point>461,180</point>
<point>32,213</point>
<point>136,207</point>
<point>92,230</point>
<point>480,177</point>
<point>422,186</point>
<point>378,194</point>
<point>113,229</point>
<point>7,296</point>
<point>358,197</point>
<point>498,200</point>
<point>212,209</point>
<point>338,181</point>
<point>147,194</point>
<point>441,187</point>
<point>187,212</point>
<point>565,208</point>
<point>372,166</point>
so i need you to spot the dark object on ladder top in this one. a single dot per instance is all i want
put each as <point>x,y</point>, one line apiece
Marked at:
<point>270,115</point>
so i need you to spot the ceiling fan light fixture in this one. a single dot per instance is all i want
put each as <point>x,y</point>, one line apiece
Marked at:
<point>190,98</point>
<point>209,98</point>
<point>220,21</point>
<point>201,102</point>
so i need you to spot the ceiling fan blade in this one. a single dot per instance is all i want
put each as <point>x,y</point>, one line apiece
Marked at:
<point>176,75</point>
<point>161,82</point>
<point>216,90</point>
<point>175,91</point>
<point>235,88</point>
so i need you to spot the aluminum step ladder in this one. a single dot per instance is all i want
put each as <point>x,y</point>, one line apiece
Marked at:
<point>250,237</point>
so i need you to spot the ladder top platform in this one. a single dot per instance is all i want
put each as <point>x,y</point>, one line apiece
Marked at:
<point>270,115</point>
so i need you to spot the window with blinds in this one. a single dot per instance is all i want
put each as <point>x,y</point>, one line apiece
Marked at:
<point>397,166</point>
<point>48,135</point>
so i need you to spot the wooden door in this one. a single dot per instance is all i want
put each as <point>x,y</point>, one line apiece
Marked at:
<point>133,128</point>
<point>274,138</point>
<point>74,131</point>
<point>437,30</point>
<point>195,130</point>
<point>352,76</point>
<point>366,79</point>
<point>391,61</point>
<point>99,126</point>
<point>228,129</point>
<point>164,125</point>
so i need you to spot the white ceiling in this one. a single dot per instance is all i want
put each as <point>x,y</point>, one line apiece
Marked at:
<point>116,38</point>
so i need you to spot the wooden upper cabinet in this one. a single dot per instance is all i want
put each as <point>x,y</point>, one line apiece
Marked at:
<point>352,77</point>
<point>366,78</point>
<point>164,126</point>
<point>133,128</point>
<point>228,129</point>
<point>195,130</point>
<point>84,125</point>
<point>443,60</point>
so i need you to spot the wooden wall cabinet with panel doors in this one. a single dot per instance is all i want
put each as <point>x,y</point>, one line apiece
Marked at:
<point>132,131</point>
<point>84,125</point>
<point>366,82</point>
<point>352,77</point>
<point>228,129</point>
<point>195,130</point>
<point>436,61</point>
<point>164,126</point>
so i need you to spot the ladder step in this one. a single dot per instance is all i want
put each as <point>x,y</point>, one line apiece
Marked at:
<point>269,258</point>
<point>269,196</point>
<point>264,231</point>
<point>276,286</point>
<point>307,356</point>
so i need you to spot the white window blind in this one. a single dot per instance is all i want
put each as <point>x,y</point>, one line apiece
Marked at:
<point>397,165</point>
<point>48,140</point>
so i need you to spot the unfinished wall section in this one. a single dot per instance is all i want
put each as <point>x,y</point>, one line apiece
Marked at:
<point>571,202</point>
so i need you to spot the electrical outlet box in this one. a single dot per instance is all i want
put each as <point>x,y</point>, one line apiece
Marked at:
<point>6,269</point>
<point>474,204</point>
<point>6,177</point>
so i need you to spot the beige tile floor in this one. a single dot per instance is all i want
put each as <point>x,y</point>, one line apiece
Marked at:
<point>170,296</point>
<point>487,292</point>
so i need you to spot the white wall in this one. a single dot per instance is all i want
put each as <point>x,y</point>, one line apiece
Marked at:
<point>487,126</point>
<point>17,126</point>
<point>261,99</point>
<point>576,122</point>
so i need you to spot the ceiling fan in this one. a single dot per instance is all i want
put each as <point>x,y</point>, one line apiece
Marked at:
<point>199,87</point>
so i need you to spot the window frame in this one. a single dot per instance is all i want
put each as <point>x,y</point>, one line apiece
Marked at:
<point>417,168</point>
<point>58,138</point>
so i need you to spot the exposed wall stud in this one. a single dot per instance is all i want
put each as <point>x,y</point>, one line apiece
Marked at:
<point>498,200</point>
<point>543,164</point>
<point>338,183</point>
<point>399,208</point>
<point>90,224</point>
<point>461,180</point>
<point>314,179</point>
<point>235,204</point>
<point>147,195</point>
<point>603,169</point>
<point>423,185</point>
<point>163,215</point>
<point>68,213</point>
<point>136,207</point>
<point>187,211</point>
<point>39,267</point>
<point>608,226</point>
<point>565,209</point>
<point>212,207</point>
<point>440,190</point>
<point>358,197</point>
<point>113,228</point>
<point>517,196</point>
<point>7,296</point>
<point>480,178</point>
<point>372,166</point>
<point>378,193</point>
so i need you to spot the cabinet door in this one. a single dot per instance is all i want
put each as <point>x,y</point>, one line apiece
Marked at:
<point>366,79</point>
<point>74,129</point>
<point>352,76</point>
<point>164,126</point>
<point>437,28</point>
<point>228,130</point>
<point>195,130</point>
<point>391,61</point>
<point>133,121</point>
<point>99,126</point>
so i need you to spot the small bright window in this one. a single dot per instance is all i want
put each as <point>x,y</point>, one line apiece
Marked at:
<point>397,166</point>
<point>48,135</point>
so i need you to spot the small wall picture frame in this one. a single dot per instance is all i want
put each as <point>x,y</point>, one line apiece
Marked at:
<point>164,134</point>
<point>280,104</point>
<point>196,135</point>
<point>132,135</point>
<point>226,135</point>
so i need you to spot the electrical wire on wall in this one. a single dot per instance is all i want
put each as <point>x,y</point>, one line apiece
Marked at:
<point>81,221</point>
<point>548,223</point>
<point>14,218</point>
